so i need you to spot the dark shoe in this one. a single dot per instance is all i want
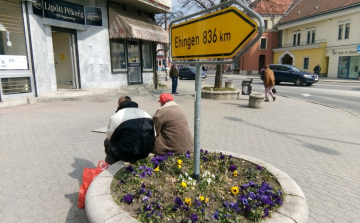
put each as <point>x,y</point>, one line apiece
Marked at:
<point>266,100</point>
<point>175,93</point>
<point>274,98</point>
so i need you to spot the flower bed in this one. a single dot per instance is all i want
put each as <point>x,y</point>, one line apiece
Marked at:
<point>160,188</point>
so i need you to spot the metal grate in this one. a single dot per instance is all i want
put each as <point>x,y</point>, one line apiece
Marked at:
<point>16,85</point>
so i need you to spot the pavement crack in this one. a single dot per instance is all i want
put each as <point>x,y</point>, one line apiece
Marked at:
<point>286,216</point>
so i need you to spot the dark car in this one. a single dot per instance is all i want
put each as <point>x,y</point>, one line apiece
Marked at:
<point>189,72</point>
<point>292,74</point>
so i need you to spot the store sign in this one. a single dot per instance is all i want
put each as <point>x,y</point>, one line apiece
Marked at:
<point>358,49</point>
<point>93,16</point>
<point>13,62</point>
<point>64,11</point>
<point>68,12</point>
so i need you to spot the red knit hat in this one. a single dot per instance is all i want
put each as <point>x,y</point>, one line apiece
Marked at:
<point>165,98</point>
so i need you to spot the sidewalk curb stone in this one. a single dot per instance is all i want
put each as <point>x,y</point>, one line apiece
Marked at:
<point>101,207</point>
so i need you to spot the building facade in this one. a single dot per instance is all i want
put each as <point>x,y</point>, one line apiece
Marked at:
<point>261,53</point>
<point>321,32</point>
<point>47,45</point>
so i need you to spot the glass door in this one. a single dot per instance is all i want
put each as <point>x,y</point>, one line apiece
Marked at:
<point>134,63</point>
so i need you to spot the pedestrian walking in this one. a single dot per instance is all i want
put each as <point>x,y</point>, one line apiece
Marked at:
<point>269,81</point>
<point>174,74</point>
<point>172,128</point>
<point>317,69</point>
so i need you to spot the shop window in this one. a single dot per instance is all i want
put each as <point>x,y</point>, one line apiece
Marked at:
<point>147,55</point>
<point>347,30</point>
<point>118,61</point>
<point>341,27</point>
<point>263,43</point>
<point>15,85</point>
<point>13,53</point>
<point>265,24</point>
<point>306,63</point>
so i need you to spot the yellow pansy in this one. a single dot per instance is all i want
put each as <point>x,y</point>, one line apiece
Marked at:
<point>179,166</point>
<point>206,199</point>
<point>156,169</point>
<point>180,162</point>
<point>188,201</point>
<point>201,197</point>
<point>234,190</point>
<point>235,173</point>
<point>183,184</point>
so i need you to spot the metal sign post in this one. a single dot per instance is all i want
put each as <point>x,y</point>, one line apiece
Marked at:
<point>220,34</point>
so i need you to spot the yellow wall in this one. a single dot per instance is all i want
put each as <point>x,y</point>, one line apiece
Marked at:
<point>316,56</point>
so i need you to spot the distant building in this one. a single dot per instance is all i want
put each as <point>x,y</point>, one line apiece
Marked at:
<point>324,32</point>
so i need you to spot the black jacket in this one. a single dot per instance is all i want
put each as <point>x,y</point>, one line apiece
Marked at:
<point>130,134</point>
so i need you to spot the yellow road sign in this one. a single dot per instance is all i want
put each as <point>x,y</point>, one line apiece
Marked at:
<point>218,35</point>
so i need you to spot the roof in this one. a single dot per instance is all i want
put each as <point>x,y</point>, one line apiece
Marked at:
<point>270,7</point>
<point>303,9</point>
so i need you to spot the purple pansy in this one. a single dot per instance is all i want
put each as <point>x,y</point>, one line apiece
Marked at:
<point>244,186</point>
<point>206,152</point>
<point>202,210</point>
<point>201,150</point>
<point>170,154</point>
<point>258,167</point>
<point>251,184</point>
<point>175,208</point>
<point>145,199</point>
<point>122,182</point>
<point>194,218</point>
<point>143,174</point>
<point>226,204</point>
<point>130,168</point>
<point>128,198</point>
<point>244,201</point>
<point>252,195</point>
<point>188,154</point>
<point>230,156</point>
<point>149,194</point>
<point>278,201</point>
<point>204,158</point>
<point>142,190</point>
<point>279,192</point>
<point>232,168</point>
<point>216,215</point>
<point>178,201</point>
<point>198,203</point>
<point>222,157</point>
<point>266,213</point>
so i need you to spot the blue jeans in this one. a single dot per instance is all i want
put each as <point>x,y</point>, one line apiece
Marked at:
<point>174,84</point>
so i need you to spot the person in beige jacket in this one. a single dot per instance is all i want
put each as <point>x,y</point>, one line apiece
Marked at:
<point>171,128</point>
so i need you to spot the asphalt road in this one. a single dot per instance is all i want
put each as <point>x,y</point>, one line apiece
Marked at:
<point>344,96</point>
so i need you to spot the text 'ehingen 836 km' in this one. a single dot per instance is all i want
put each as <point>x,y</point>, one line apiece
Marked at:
<point>208,38</point>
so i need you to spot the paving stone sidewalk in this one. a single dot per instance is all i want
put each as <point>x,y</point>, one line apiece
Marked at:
<point>45,146</point>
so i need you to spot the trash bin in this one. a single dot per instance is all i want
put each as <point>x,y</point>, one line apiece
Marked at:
<point>246,88</point>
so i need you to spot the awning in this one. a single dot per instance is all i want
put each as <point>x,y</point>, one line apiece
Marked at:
<point>125,25</point>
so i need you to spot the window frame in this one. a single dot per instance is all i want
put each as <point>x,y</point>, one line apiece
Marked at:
<point>298,38</point>
<point>340,31</point>
<point>347,31</point>
<point>294,38</point>
<point>313,35</point>
<point>265,43</point>
<point>304,63</point>
<point>308,38</point>
<point>265,23</point>
<point>125,70</point>
<point>151,56</point>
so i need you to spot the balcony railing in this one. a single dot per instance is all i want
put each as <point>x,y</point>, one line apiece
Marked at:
<point>303,43</point>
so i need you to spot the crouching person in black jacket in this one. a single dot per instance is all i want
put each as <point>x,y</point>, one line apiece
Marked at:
<point>130,135</point>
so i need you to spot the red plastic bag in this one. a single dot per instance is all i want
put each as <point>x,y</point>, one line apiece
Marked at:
<point>88,176</point>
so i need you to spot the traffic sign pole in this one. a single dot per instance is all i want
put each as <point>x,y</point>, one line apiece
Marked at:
<point>196,174</point>
<point>189,43</point>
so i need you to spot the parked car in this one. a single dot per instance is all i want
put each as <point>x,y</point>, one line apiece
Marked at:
<point>292,74</point>
<point>189,72</point>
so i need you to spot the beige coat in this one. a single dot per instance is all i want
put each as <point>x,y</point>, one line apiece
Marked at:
<point>172,130</point>
<point>269,78</point>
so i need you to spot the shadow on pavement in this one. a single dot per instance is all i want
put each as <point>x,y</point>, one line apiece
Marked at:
<point>290,135</point>
<point>75,214</point>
